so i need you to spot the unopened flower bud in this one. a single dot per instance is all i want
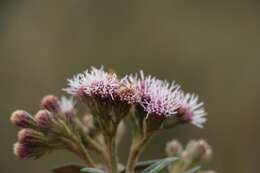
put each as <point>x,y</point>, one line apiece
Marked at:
<point>197,151</point>
<point>43,119</point>
<point>22,118</point>
<point>51,103</point>
<point>173,148</point>
<point>23,150</point>
<point>29,136</point>
<point>20,150</point>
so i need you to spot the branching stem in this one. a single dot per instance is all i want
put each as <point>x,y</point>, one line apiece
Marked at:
<point>112,154</point>
<point>135,151</point>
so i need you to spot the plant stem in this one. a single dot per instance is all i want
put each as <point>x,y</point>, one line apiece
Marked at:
<point>87,158</point>
<point>135,151</point>
<point>79,149</point>
<point>76,144</point>
<point>112,152</point>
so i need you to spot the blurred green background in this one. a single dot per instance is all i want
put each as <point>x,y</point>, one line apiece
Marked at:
<point>209,47</point>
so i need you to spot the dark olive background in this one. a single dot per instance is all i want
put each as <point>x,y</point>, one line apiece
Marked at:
<point>209,47</point>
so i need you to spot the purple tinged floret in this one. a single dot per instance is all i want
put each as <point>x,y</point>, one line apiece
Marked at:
<point>94,83</point>
<point>191,110</point>
<point>157,97</point>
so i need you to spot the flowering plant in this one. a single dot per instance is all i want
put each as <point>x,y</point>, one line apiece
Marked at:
<point>150,104</point>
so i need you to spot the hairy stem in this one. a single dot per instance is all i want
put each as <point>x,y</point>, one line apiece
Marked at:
<point>86,156</point>
<point>135,151</point>
<point>76,144</point>
<point>79,149</point>
<point>112,154</point>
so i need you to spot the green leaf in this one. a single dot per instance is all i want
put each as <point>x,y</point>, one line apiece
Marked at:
<point>92,170</point>
<point>147,162</point>
<point>160,165</point>
<point>142,165</point>
<point>68,168</point>
<point>193,170</point>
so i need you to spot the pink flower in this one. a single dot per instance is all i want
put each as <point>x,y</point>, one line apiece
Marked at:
<point>157,97</point>
<point>191,110</point>
<point>94,83</point>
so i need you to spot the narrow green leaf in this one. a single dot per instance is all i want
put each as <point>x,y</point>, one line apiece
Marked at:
<point>92,170</point>
<point>160,165</point>
<point>193,170</point>
<point>148,169</point>
<point>142,165</point>
<point>67,168</point>
<point>147,162</point>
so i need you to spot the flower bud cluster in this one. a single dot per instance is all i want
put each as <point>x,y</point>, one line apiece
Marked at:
<point>196,151</point>
<point>31,143</point>
<point>40,132</point>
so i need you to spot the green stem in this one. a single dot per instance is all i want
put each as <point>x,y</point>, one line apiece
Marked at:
<point>77,145</point>
<point>86,156</point>
<point>135,152</point>
<point>112,153</point>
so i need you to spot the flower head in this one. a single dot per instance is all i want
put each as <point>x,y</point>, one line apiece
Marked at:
<point>191,110</point>
<point>173,148</point>
<point>43,119</point>
<point>21,150</point>
<point>128,94</point>
<point>51,103</point>
<point>22,118</point>
<point>157,97</point>
<point>30,136</point>
<point>24,150</point>
<point>94,83</point>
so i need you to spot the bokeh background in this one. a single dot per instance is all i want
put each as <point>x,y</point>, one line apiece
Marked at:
<point>209,47</point>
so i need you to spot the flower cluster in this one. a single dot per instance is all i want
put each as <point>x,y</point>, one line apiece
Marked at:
<point>150,103</point>
<point>157,98</point>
